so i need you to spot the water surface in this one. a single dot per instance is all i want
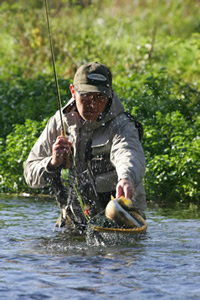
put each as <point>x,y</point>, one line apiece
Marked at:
<point>37,262</point>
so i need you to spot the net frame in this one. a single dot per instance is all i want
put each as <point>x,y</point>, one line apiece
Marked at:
<point>117,229</point>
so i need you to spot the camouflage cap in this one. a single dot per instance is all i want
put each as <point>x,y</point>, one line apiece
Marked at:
<point>93,77</point>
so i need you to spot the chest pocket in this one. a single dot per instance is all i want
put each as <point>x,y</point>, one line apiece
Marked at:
<point>100,154</point>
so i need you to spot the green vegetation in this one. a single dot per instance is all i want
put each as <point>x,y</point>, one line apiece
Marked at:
<point>153,50</point>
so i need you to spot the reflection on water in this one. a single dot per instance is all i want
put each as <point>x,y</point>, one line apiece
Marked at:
<point>37,262</point>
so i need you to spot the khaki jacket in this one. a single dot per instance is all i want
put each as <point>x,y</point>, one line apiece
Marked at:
<point>115,136</point>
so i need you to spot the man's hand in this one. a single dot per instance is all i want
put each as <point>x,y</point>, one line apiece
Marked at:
<point>125,188</point>
<point>61,151</point>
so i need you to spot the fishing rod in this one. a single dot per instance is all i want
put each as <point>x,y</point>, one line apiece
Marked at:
<point>63,133</point>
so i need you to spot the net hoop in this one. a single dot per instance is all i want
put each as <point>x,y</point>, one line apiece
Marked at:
<point>135,230</point>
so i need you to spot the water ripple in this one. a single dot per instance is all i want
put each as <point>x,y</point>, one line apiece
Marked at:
<point>37,262</point>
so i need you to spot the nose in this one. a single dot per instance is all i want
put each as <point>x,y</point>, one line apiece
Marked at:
<point>92,102</point>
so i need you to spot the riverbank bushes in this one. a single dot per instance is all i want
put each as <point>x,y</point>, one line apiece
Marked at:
<point>155,63</point>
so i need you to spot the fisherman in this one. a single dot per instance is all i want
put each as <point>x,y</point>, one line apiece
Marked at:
<point>101,151</point>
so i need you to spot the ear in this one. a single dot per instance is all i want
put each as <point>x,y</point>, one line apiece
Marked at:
<point>73,91</point>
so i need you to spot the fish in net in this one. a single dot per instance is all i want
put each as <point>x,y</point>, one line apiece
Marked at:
<point>120,223</point>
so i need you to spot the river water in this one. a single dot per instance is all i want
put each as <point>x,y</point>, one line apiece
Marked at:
<point>37,262</point>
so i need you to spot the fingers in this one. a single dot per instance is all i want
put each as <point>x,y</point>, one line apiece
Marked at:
<point>61,149</point>
<point>119,191</point>
<point>62,145</point>
<point>125,188</point>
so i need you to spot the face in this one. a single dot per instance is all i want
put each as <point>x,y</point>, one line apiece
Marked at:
<point>89,105</point>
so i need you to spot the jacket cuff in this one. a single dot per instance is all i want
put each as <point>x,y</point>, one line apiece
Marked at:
<point>49,168</point>
<point>131,179</point>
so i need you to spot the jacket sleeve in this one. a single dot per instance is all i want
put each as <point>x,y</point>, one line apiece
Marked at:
<point>127,153</point>
<point>36,171</point>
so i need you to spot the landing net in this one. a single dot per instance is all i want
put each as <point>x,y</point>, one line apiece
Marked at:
<point>101,230</point>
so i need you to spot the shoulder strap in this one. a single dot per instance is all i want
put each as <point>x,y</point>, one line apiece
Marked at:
<point>138,125</point>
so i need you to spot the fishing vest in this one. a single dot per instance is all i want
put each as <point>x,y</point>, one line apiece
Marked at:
<point>90,191</point>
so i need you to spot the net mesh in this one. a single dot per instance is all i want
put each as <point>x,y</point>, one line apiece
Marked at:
<point>101,230</point>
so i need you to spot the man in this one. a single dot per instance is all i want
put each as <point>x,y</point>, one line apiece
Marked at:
<point>102,145</point>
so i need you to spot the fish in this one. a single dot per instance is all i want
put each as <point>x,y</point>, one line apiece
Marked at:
<point>117,210</point>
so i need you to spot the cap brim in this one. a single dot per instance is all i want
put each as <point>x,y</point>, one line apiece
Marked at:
<point>86,88</point>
